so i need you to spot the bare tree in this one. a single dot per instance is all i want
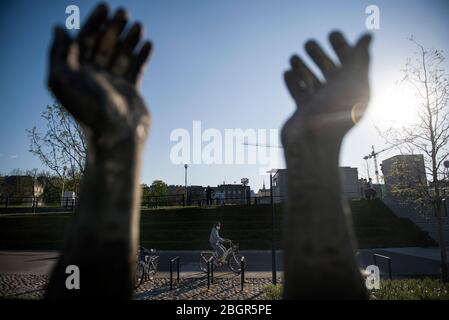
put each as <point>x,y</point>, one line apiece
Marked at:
<point>429,136</point>
<point>62,145</point>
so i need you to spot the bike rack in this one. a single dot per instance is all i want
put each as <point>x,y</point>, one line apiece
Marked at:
<point>171,271</point>
<point>242,272</point>
<point>375,256</point>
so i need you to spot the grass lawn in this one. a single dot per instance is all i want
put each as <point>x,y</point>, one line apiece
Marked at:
<point>188,228</point>
<point>407,289</point>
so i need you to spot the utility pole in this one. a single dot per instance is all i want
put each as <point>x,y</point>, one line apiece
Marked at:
<point>273,239</point>
<point>373,154</point>
<point>185,182</point>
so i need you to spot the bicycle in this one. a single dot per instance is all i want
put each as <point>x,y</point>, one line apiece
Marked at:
<point>231,257</point>
<point>146,266</point>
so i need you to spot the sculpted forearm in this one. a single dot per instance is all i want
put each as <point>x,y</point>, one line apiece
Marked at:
<point>105,230</point>
<point>320,246</point>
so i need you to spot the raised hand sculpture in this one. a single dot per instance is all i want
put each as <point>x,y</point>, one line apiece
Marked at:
<point>318,235</point>
<point>96,78</point>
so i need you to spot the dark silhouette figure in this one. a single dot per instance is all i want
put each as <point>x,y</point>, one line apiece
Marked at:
<point>370,192</point>
<point>209,195</point>
<point>319,240</point>
<point>96,76</point>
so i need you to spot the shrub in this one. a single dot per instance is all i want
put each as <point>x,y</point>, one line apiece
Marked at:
<point>272,292</point>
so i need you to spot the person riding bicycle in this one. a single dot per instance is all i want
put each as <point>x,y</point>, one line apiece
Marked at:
<point>216,241</point>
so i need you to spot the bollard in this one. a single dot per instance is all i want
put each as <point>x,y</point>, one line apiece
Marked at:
<point>212,270</point>
<point>177,268</point>
<point>242,271</point>
<point>171,276</point>
<point>208,274</point>
<point>171,271</point>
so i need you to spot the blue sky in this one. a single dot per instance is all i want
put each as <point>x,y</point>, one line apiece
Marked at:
<point>220,62</point>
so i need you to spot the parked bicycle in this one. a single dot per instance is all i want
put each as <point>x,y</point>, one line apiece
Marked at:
<point>230,257</point>
<point>146,265</point>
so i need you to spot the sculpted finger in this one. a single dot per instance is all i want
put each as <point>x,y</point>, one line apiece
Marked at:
<point>361,49</point>
<point>108,40</point>
<point>138,62</point>
<point>323,62</point>
<point>304,73</point>
<point>123,54</point>
<point>340,45</point>
<point>90,31</point>
<point>61,53</point>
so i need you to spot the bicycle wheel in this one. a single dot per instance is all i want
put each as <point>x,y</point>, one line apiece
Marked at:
<point>140,275</point>
<point>152,267</point>
<point>204,258</point>
<point>234,262</point>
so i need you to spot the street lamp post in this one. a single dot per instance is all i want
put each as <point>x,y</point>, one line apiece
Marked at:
<point>63,181</point>
<point>273,239</point>
<point>185,183</point>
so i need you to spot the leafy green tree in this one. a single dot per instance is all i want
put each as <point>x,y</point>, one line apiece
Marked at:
<point>158,189</point>
<point>62,148</point>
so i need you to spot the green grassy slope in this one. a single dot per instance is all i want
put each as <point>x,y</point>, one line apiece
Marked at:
<point>188,228</point>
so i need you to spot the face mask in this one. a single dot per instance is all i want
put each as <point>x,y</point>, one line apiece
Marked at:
<point>218,227</point>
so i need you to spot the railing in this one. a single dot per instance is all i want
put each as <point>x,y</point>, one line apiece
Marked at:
<point>31,204</point>
<point>171,271</point>
<point>56,204</point>
<point>199,201</point>
<point>388,259</point>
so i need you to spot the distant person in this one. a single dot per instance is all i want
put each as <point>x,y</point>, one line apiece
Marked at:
<point>216,241</point>
<point>363,188</point>
<point>370,192</point>
<point>209,194</point>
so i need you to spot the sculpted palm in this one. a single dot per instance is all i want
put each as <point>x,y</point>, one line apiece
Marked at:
<point>96,75</point>
<point>328,108</point>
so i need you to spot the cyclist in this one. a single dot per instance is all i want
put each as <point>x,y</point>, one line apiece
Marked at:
<point>216,241</point>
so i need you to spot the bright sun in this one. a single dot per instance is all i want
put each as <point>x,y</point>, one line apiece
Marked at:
<point>395,106</point>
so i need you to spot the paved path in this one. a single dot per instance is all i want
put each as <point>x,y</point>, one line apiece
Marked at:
<point>410,261</point>
<point>24,274</point>
<point>41,262</point>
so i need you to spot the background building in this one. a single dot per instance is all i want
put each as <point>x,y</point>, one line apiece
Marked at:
<point>402,172</point>
<point>350,182</point>
<point>20,189</point>
<point>280,185</point>
<point>234,193</point>
<point>263,195</point>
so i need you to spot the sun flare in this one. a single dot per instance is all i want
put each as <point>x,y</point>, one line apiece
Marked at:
<point>395,105</point>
